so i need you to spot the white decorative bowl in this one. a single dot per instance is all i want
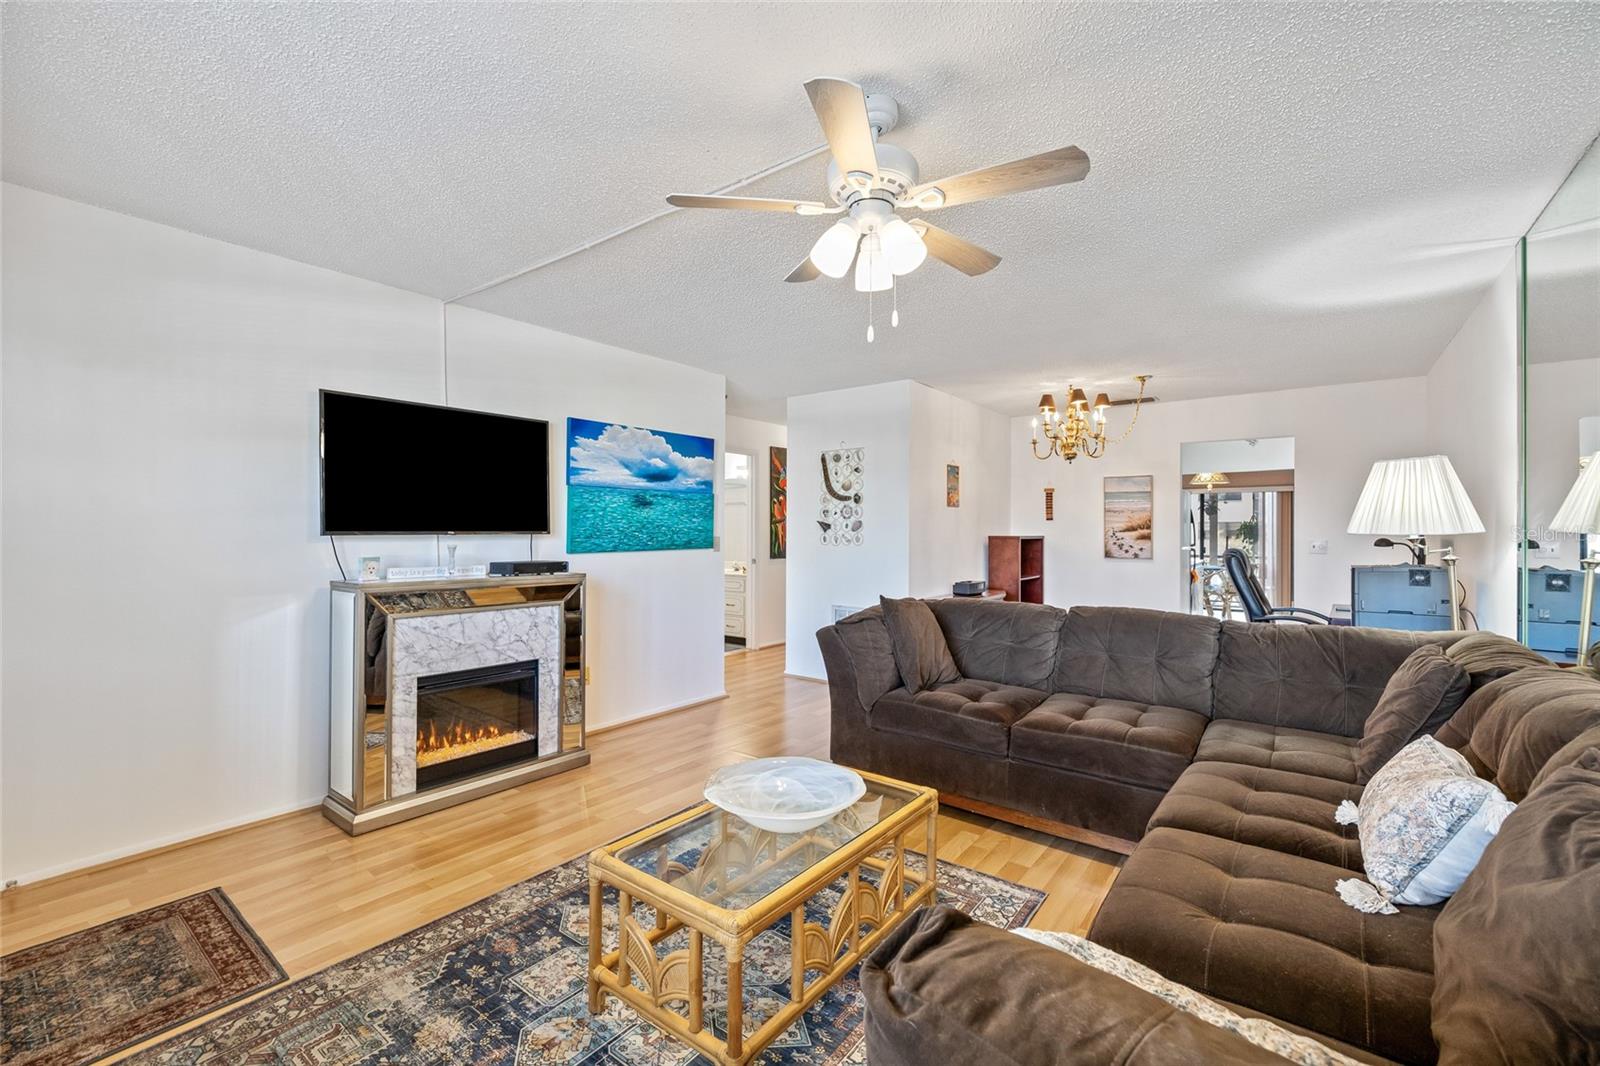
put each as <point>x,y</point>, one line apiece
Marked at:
<point>785,795</point>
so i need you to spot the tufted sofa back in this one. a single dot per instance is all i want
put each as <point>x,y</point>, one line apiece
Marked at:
<point>1324,678</point>
<point>1521,728</point>
<point>1128,653</point>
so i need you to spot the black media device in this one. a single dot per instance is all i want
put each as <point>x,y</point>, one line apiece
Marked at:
<point>389,466</point>
<point>969,588</point>
<point>528,566</point>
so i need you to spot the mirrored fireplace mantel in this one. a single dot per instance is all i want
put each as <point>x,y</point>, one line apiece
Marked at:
<point>444,691</point>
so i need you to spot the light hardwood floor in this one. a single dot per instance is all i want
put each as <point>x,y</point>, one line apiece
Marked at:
<point>316,896</point>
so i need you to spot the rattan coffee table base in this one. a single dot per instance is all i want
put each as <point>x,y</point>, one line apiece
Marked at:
<point>669,990</point>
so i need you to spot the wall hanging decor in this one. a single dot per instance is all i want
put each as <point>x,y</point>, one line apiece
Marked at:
<point>778,503</point>
<point>1128,517</point>
<point>840,517</point>
<point>632,489</point>
<point>952,485</point>
<point>1049,505</point>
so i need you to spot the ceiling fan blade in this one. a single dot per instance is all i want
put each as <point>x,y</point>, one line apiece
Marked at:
<point>841,108</point>
<point>963,255</point>
<point>1057,167</point>
<point>806,271</point>
<point>750,203</point>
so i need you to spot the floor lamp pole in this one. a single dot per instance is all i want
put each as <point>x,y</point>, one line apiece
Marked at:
<point>1586,612</point>
<point>1449,560</point>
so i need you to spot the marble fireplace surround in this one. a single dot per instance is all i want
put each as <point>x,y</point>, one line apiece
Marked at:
<point>471,639</point>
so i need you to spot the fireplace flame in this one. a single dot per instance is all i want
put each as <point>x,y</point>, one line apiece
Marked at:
<point>436,745</point>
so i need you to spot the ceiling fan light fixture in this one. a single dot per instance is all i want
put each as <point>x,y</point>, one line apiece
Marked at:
<point>872,266</point>
<point>902,246</point>
<point>835,249</point>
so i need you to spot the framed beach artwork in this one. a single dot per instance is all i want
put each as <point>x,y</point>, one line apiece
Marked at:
<point>631,489</point>
<point>952,485</point>
<point>778,503</point>
<point>1128,517</point>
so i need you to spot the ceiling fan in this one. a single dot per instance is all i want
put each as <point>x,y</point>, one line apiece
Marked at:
<point>870,181</point>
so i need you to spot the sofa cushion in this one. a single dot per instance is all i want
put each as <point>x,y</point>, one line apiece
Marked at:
<point>1517,960</point>
<point>1489,656</point>
<point>1266,930</point>
<point>1302,751</point>
<point>943,988</point>
<point>1511,727</point>
<point>976,715</point>
<point>1419,698</point>
<point>1323,678</point>
<point>1116,739</point>
<point>1150,657</point>
<point>920,652</point>
<point>1012,643</point>
<point>1273,809</point>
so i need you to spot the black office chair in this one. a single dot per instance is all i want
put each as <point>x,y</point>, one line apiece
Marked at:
<point>1254,597</point>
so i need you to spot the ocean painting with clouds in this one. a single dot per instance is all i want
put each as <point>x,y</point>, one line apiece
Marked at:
<point>634,490</point>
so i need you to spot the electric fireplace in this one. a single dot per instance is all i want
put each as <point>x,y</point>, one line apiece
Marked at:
<point>443,691</point>
<point>469,721</point>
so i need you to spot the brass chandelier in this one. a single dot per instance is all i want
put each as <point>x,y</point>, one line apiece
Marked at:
<point>1080,429</point>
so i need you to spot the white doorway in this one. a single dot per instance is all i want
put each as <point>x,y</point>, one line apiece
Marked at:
<point>739,590</point>
<point>1237,495</point>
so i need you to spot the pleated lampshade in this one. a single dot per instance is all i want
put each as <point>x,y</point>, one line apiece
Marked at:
<point>1580,512</point>
<point>1414,497</point>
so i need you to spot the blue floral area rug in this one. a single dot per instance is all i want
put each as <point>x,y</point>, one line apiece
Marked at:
<point>503,981</point>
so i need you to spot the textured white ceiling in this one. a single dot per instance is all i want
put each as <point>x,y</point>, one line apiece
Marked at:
<point>1282,194</point>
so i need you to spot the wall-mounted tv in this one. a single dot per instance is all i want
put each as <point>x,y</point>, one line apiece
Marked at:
<point>389,466</point>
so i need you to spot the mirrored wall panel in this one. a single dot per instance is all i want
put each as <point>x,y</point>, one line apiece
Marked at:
<point>1561,394</point>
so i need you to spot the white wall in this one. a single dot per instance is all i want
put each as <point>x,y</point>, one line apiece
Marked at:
<point>876,418</point>
<point>1339,432</point>
<point>754,439</point>
<point>1559,394</point>
<point>915,545</point>
<point>163,585</point>
<point>1472,419</point>
<point>1266,453</point>
<point>950,544</point>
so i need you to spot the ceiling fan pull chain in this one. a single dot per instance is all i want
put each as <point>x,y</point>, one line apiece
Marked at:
<point>869,317</point>
<point>894,315</point>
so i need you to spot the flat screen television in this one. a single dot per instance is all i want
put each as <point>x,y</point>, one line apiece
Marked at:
<point>389,466</point>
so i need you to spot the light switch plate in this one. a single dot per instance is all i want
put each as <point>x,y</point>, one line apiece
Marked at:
<point>1548,551</point>
<point>1319,547</point>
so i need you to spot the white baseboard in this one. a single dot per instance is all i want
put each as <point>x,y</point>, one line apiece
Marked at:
<point>188,836</point>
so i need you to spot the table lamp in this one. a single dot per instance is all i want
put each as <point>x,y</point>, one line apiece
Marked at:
<point>1417,499</point>
<point>1580,513</point>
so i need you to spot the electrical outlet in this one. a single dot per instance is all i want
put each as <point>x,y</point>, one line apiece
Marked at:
<point>1319,547</point>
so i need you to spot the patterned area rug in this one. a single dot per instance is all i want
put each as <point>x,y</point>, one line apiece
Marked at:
<point>503,982</point>
<point>91,993</point>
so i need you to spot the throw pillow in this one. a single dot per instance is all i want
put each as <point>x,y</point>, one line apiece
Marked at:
<point>920,650</point>
<point>1489,656</point>
<point>1258,1031</point>
<point>1423,822</point>
<point>1421,696</point>
<point>1516,961</point>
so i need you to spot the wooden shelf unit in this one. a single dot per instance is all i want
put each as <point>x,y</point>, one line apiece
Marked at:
<point>1016,568</point>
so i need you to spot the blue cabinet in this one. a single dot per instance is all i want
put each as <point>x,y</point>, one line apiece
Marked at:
<point>1555,604</point>
<point>1401,597</point>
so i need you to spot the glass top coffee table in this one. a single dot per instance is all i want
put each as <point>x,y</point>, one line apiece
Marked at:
<point>656,897</point>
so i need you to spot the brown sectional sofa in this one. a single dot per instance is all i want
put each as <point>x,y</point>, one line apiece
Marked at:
<point>1223,749</point>
<point>1086,718</point>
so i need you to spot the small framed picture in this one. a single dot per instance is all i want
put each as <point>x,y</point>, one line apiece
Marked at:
<point>952,485</point>
<point>369,570</point>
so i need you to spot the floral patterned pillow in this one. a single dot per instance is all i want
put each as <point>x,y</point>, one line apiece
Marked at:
<point>1424,820</point>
